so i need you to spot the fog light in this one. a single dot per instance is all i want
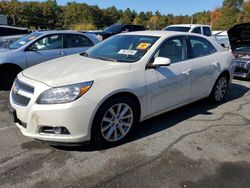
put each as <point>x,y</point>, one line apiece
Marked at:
<point>54,130</point>
<point>57,130</point>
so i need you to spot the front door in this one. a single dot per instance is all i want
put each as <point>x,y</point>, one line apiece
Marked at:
<point>169,86</point>
<point>44,49</point>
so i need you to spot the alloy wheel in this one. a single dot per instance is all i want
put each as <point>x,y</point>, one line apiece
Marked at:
<point>221,89</point>
<point>117,122</point>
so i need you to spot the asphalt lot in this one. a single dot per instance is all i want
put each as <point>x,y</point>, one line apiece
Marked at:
<point>200,145</point>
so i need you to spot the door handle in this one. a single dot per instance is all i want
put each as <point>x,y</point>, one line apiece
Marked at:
<point>187,72</point>
<point>215,64</point>
<point>61,52</point>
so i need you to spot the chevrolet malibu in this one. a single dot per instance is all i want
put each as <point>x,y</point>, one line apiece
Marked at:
<point>101,94</point>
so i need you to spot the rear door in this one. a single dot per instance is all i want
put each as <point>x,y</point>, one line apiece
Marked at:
<point>203,55</point>
<point>74,43</point>
<point>169,86</point>
<point>44,49</point>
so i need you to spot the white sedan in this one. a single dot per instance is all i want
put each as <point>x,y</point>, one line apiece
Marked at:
<point>101,94</point>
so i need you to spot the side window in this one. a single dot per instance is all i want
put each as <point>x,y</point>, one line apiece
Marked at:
<point>197,30</point>
<point>138,28</point>
<point>200,47</point>
<point>207,31</point>
<point>126,28</point>
<point>50,42</point>
<point>174,49</point>
<point>77,41</point>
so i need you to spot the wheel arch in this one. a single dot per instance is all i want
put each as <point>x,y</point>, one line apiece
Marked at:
<point>129,94</point>
<point>11,65</point>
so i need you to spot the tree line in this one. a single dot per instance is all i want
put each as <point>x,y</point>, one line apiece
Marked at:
<point>81,16</point>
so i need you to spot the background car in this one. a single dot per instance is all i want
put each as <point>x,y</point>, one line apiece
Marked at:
<point>191,28</point>
<point>38,47</point>
<point>6,41</point>
<point>101,94</point>
<point>222,38</point>
<point>239,37</point>
<point>9,34</point>
<point>115,29</point>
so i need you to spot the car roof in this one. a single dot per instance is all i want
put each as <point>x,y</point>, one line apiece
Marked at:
<point>160,33</point>
<point>58,31</point>
<point>12,27</point>
<point>187,25</point>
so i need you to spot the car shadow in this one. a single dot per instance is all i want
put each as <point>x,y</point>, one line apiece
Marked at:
<point>169,119</point>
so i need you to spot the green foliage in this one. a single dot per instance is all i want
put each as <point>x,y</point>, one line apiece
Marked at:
<point>83,27</point>
<point>81,16</point>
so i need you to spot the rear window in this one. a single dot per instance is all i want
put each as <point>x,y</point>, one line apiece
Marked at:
<point>181,29</point>
<point>207,31</point>
<point>4,31</point>
<point>197,30</point>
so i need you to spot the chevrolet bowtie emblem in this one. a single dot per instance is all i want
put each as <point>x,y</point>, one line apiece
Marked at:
<point>16,89</point>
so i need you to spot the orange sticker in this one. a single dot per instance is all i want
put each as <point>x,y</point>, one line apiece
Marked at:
<point>143,46</point>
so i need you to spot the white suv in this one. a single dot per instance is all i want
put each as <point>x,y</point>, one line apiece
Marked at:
<point>102,93</point>
<point>191,28</point>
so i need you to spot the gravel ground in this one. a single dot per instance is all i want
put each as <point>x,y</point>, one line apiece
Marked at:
<point>199,145</point>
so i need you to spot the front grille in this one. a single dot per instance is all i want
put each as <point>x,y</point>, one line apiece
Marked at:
<point>20,100</point>
<point>240,70</point>
<point>24,86</point>
<point>21,86</point>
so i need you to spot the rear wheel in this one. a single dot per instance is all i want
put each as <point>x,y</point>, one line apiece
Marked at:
<point>220,89</point>
<point>7,77</point>
<point>114,121</point>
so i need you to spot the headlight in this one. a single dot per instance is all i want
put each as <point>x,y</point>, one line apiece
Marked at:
<point>64,94</point>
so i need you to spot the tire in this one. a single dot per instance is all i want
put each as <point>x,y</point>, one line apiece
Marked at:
<point>114,121</point>
<point>220,89</point>
<point>7,77</point>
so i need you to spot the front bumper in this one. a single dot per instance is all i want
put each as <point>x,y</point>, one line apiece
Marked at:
<point>75,117</point>
<point>241,72</point>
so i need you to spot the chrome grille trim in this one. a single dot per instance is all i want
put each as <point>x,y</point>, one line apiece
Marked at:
<point>20,100</point>
<point>24,87</point>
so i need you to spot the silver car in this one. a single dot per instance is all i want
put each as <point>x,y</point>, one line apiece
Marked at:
<point>38,47</point>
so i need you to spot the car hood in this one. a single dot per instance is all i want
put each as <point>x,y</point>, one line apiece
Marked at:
<point>239,35</point>
<point>3,50</point>
<point>74,69</point>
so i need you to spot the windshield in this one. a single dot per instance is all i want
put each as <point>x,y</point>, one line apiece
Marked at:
<point>181,29</point>
<point>113,29</point>
<point>243,49</point>
<point>122,48</point>
<point>24,40</point>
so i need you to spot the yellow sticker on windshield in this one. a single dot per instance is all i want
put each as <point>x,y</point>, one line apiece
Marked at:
<point>143,46</point>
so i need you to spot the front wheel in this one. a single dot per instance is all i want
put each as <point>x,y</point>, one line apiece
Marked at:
<point>114,121</point>
<point>220,89</point>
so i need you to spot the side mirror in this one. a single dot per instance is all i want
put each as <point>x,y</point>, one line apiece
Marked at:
<point>161,61</point>
<point>32,48</point>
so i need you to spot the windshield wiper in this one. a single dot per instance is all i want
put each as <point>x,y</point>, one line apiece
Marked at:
<point>105,58</point>
<point>84,54</point>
